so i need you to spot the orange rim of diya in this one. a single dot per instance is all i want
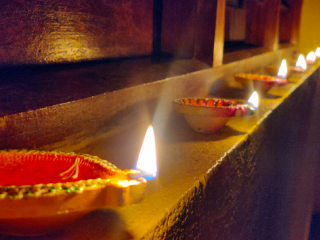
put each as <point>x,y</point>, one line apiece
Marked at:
<point>268,80</point>
<point>213,107</point>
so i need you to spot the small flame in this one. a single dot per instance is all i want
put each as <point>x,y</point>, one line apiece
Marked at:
<point>283,69</point>
<point>311,57</point>
<point>317,53</point>
<point>301,62</point>
<point>147,162</point>
<point>254,100</point>
<point>126,183</point>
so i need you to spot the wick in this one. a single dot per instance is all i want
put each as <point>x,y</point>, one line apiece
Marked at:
<point>75,170</point>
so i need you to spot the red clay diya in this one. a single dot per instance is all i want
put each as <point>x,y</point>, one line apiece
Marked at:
<point>261,83</point>
<point>300,65</point>
<point>311,58</point>
<point>41,191</point>
<point>210,114</point>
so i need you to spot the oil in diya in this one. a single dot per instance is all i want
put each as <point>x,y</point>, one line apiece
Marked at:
<point>209,115</point>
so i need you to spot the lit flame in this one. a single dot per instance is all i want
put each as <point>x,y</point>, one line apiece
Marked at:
<point>301,62</point>
<point>147,158</point>
<point>317,53</point>
<point>311,57</point>
<point>254,100</point>
<point>283,69</point>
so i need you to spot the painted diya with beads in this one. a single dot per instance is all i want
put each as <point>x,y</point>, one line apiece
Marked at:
<point>41,191</point>
<point>210,114</point>
<point>261,83</point>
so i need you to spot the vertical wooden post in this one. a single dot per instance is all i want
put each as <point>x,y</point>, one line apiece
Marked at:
<point>271,31</point>
<point>219,34</point>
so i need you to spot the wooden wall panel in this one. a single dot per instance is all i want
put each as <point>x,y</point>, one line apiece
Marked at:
<point>271,31</point>
<point>263,23</point>
<point>178,27</point>
<point>255,21</point>
<point>67,31</point>
<point>48,31</point>
<point>297,5</point>
<point>235,24</point>
<point>205,30</point>
<point>189,29</point>
<point>290,21</point>
<point>286,19</point>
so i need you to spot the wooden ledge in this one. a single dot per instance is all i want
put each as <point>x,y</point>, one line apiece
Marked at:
<point>204,180</point>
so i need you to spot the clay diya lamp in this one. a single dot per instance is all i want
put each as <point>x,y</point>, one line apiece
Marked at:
<point>282,71</point>
<point>42,191</point>
<point>209,115</point>
<point>300,66</point>
<point>311,58</point>
<point>261,83</point>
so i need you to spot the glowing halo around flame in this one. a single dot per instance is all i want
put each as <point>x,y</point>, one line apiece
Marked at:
<point>317,53</point>
<point>301,62</point>
<point>147,162</point>
<point>283,69</point>
<point>254,100</point>
<point>311,57</point>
